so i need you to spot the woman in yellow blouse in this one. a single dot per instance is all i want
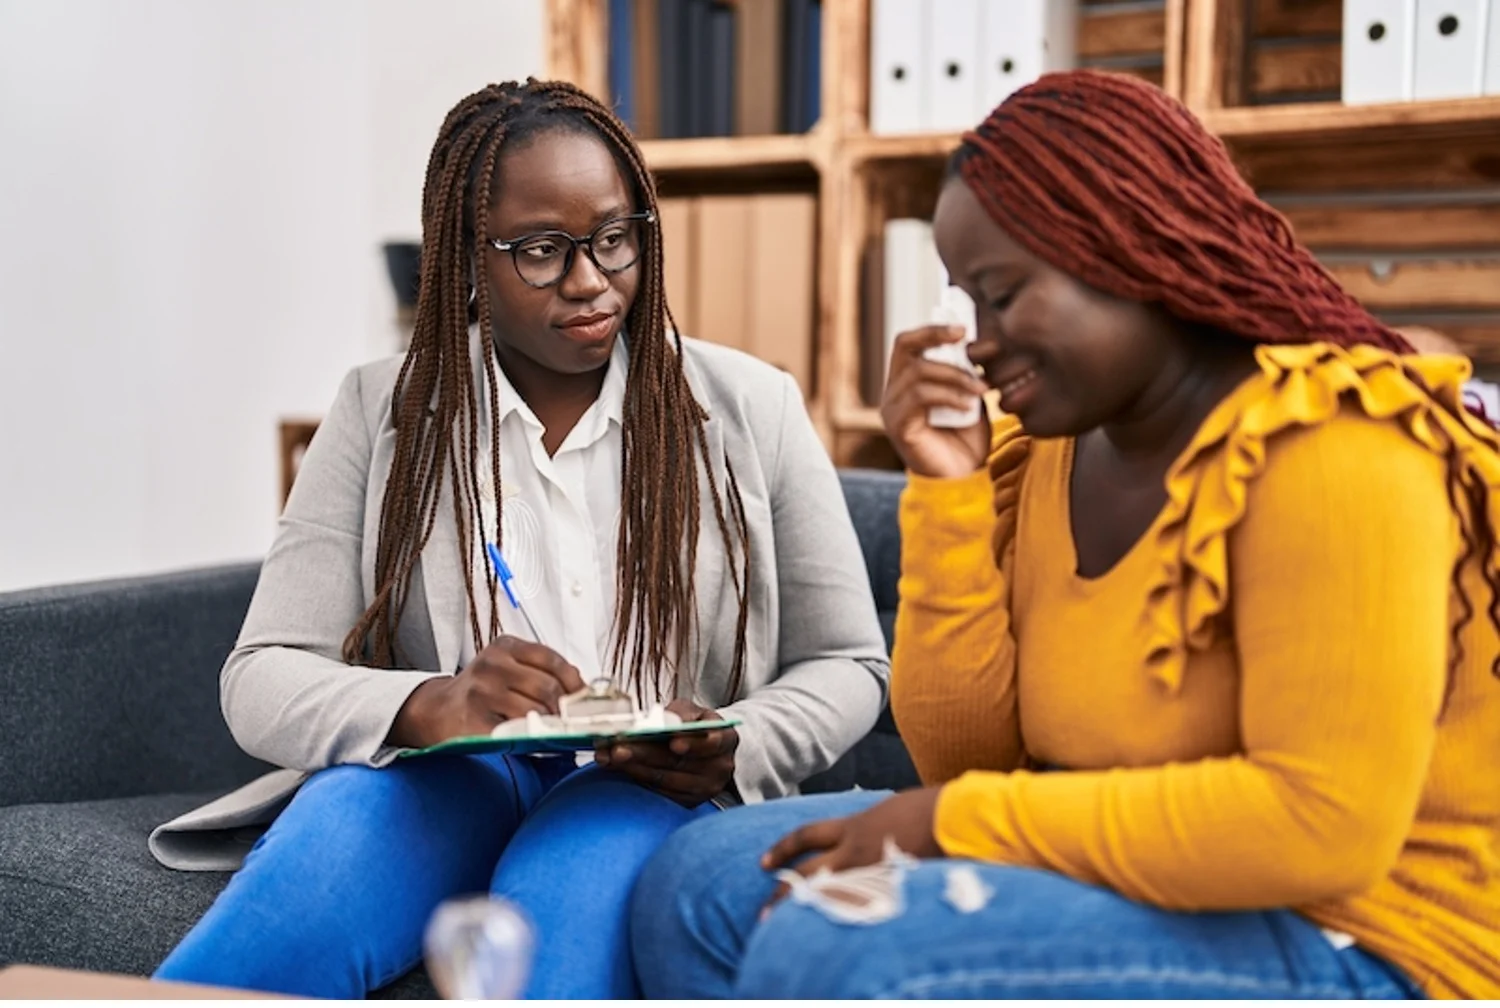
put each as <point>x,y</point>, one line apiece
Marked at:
<point>1197,646</point>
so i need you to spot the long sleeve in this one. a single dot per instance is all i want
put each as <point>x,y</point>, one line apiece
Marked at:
<point>287,694</point>
<point>953,666</point>
<point>832,668</point>
<point>1339,594</point>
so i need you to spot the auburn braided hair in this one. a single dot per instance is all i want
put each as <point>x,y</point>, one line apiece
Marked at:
<point>436,408</point>
<point>1117,184</point>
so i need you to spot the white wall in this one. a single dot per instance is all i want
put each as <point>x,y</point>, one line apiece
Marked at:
<point>192,198</point>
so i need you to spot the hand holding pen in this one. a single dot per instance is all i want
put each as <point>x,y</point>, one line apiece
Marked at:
<point>509,678</point>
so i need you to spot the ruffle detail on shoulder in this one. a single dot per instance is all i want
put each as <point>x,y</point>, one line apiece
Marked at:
<point>1010,447</point>
<point>1299,386</point>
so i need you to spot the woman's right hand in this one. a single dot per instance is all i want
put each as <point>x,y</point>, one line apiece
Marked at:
<point>915,386</point>
<point>508,679</point>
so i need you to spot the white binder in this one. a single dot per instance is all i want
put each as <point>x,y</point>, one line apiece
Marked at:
<point>1450,48</point>
<point>953,51</point>
<point>914,277</point>
<point>898,77</point>
<point>1379,50</point>
<point>1492,50</point>
<point>1021,40</point>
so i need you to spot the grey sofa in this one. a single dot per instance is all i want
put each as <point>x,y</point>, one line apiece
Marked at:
<point>111,725</point>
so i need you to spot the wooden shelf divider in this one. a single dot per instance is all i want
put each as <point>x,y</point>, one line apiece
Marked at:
<point>730,154</point>
<point>865,147</point>
<point>1328,122</point>
<point>859,420</point>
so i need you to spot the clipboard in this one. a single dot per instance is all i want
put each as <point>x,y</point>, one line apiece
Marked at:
<point>597,713</point>
<point>562,742</point>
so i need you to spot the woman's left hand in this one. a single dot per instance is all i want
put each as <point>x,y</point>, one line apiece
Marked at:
<point>690,769</point>
<point>906,818</point>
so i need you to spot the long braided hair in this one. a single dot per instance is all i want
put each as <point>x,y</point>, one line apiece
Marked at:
<point>1114,182</point>
<point>436,407</point>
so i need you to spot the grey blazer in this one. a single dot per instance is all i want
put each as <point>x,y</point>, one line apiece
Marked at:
<point>816,668</point>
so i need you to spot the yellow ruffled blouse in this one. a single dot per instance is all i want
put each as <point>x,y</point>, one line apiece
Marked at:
<point>1253,706</point>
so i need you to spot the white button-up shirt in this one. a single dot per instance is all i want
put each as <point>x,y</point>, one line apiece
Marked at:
<point>560,520</point>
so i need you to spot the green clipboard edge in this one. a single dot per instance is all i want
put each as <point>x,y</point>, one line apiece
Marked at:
<point>522,745</point>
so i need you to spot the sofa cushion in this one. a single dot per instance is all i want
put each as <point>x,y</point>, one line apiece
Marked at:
<point>78,889</point>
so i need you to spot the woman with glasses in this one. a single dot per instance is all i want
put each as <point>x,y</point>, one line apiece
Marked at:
<point>669,520</point>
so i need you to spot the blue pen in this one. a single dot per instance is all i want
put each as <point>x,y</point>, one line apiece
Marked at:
<point>502,571</point>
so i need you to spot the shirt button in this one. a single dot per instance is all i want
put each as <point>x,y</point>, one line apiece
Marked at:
<point>577,588</point>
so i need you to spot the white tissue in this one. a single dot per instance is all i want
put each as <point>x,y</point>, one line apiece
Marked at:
<point>954,308</point>
<point>1338,939</point>
<point>965,891</point>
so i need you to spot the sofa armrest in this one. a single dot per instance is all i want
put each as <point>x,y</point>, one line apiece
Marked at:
<point>111,688</point>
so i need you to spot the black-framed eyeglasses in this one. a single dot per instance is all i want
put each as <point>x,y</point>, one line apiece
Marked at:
<point>544,258</point>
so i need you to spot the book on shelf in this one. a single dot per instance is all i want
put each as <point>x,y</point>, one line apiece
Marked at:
<point>758,84</point>
<point>741,270</point>
<point>1492,50</point>
<point>1424,50</point>
<point>694,68</point>
<point>1450,40</point>
<point>678,227</point>
<point>943,65</point>
<point>720,100</point>
<point>872,363</point>
<point>802,65</point>
<point>645,59</point>
<point>621,62</point>
<point>671,41</point>
<point>902,279</point>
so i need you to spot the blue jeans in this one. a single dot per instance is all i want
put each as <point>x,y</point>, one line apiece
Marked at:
<point>334,898</point>
<point>1041,935</point>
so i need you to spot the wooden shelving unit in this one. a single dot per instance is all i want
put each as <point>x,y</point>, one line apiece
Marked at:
<point>1262,74</point>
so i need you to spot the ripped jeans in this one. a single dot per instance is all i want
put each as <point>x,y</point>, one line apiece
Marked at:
<point>1040,935</point>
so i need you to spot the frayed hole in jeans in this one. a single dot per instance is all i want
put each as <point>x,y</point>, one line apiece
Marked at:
<point>869,895</point>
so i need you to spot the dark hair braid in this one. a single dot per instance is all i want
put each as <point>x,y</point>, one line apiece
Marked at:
<point>1116,183</point>
<point>437,411</point>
